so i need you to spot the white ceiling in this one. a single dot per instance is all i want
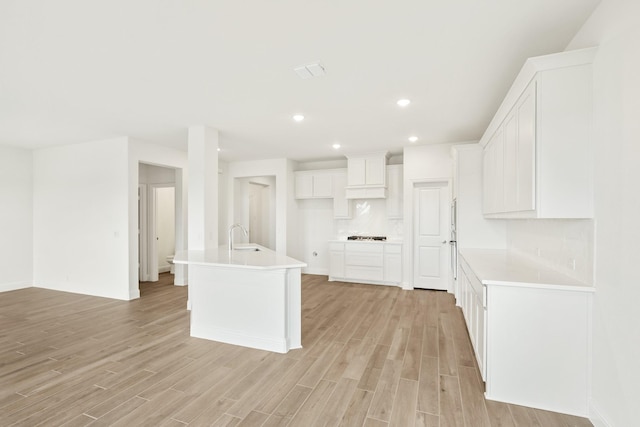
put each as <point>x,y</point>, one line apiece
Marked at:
<point>76,70</point>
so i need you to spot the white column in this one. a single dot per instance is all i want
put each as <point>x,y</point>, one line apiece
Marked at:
<point>203,188</point>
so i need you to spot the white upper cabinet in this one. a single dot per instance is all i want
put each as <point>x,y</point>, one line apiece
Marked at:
<point>395,196</point>
<point>341,205</point>
<point>314,184</point>
<point>357,171</point>
<point>537,150</point>
<point>366,176</point>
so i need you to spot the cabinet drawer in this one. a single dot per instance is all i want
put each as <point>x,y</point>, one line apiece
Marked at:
<point>374,248</point>
<point>363,259</point>
<point>364,273</point>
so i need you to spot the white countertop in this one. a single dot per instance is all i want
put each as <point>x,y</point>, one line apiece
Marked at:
<point>388,241</point>
<point>501,267</point>
<point>263,259</point>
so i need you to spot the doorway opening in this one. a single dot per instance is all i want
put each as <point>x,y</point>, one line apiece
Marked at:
<point>255,208</point>
<point>157,207</point>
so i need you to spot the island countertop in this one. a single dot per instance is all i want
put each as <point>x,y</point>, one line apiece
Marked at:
<point>261,259</point>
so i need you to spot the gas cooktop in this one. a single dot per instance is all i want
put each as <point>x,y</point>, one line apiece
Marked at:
<point>380,238</point>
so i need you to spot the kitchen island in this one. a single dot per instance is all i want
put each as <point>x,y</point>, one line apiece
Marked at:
<point>249,296</point>
<point>530,328</point>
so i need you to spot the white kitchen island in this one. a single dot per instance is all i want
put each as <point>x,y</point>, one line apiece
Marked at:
<point>245,297</point>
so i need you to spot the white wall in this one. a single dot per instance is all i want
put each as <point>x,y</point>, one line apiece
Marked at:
<point>556,243</point>
<point>81,222</point>
<point>315,229</point>
<point>16,218</point>
<point>474,231</point>
<point>615,27</point>
<point>421,163</point>
<point>243,188</point>
<point>150,174</point>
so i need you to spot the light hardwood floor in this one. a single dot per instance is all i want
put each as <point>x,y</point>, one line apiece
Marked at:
<point>372,356</point>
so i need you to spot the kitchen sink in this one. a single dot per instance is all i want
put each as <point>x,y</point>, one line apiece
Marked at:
<point>247,248</point>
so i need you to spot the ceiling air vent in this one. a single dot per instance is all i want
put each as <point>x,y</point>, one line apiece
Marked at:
<point>309,70</point>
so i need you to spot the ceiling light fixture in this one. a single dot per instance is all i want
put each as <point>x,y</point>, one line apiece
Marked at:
<point>298,117</point>
<point>219,149</point>
<point>413,138</point>
<point>403,102</point>
<point>336,146</point>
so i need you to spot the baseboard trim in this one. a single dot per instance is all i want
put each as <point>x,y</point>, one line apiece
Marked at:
<point>275,344</point>
<point>317,271</point>
<point>14,286</point>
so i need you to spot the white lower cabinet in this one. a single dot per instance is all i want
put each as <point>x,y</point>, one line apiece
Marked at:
<point>366,262</point>
<point>393,263</point>
<point>336,259</point>
<point>475,313</point>
<point>530,329</point>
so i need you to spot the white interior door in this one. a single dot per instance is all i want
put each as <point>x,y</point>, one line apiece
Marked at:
<point>431,231</point>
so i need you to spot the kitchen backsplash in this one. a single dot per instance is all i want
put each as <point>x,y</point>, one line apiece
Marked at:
<point>558,243</point>
<point>369,218</point>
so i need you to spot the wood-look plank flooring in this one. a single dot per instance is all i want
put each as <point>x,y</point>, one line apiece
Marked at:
<point>372,356</point>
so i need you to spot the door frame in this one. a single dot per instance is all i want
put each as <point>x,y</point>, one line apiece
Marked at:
<point>143,231</point>
<point>408,240</point>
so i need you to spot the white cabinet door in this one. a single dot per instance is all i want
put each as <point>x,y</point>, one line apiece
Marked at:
<point>356,171</point>
<point>526,173</point>
<point>395,196</point>
<point>393,263</point>
<point>367,170</point>
<point>322,185</point>
<point>304,186</point>
<point>510,162</point>
<point>375,170</point>
<point>475,314</point>
<point>336,260</point>
<point>494,173</point>
<point>498,194</point>
<point>314,184</point>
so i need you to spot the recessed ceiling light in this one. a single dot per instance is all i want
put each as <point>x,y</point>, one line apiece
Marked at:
<point>298,117</point>
<point>413,138</point>
<point>403,102</point>
<point>336,146</point>
<point>219,149</point>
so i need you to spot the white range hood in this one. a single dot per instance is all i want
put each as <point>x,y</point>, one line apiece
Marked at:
<point>367,175</point>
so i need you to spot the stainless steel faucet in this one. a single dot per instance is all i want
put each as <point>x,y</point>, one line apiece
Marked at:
<point>244,230</point>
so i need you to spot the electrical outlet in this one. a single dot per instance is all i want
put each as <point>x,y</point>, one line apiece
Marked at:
<point>537,251</point>
<point>572,263</point>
